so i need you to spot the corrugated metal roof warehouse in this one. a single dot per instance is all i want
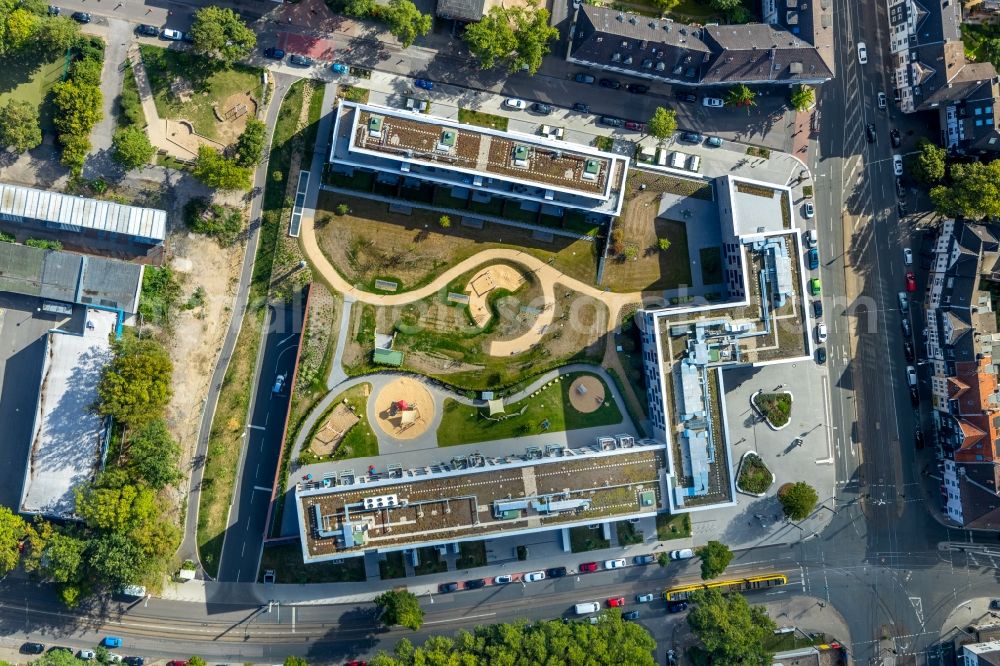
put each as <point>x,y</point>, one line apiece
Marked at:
<point>78,214</point>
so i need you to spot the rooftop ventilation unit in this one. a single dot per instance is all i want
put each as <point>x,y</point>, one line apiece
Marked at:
<point>381,502</point>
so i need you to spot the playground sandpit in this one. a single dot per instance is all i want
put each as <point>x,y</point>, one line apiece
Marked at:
<point>497,276</point>
<point>586,394</point>
<point>404,409</point>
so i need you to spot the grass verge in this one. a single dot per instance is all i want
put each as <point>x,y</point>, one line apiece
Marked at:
<point>627,534</point>
<point>286,560</point>
<point>481,119</point>
<point>672,527</point>
<point>583,538</point>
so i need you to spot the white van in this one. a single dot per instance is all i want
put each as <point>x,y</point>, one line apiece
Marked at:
<point>677,160</point>
<point>587,608</point>
<point>694,162</point>
<point>911,376</point>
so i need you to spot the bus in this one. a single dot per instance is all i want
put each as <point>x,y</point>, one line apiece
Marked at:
<point>751,584</point>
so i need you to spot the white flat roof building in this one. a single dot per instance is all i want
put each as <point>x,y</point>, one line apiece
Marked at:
<point>67,438</point>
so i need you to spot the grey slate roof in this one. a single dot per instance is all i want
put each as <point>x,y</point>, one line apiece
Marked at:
<point>463,10</point>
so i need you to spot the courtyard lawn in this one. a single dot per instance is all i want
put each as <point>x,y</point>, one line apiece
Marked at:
<point>462,424</point>
<point>584,538</point>
<point>29,81</point>
<point>482,119</point>
<point>209,86</point>
<point>359,441</point>
<point>672,527</point>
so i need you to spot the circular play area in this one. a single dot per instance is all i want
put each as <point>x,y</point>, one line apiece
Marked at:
<point>404,409</point>
<point>586,394</point>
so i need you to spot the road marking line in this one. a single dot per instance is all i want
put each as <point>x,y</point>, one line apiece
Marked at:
<point>266,490</point>
<point>253,427</point>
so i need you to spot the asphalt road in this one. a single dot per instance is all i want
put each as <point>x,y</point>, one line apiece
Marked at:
<point>244,537</point>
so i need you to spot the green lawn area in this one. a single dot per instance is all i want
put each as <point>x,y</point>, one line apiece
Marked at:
<point>711,265</point>
<point>27,80</point>
<point>286,560</point>
<point>627,534</point>
<point>582,539</point>
<point>482,119</point>
<point>209,85</point>
<point>392,566</point>
<point>359,441</point>
<point>785,642</point>
<point>672,527</point>
<point>462,424</point>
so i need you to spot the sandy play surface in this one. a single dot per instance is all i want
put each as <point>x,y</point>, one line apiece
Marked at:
<point>586,394</point>
<point>497,276</point>
<point>404,409</point>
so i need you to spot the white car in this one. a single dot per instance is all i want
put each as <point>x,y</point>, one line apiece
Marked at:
<point>534,576</point>
<point>503,580</point>
<point>810,211</point>
<point>821,333</point>
<point>907,256</point>
<point>86,655</point>
<point>515,103</point>
<point>644,598</point>
<point>172,35</point>
<point>897,164</point>
<point>614,564</point>
<point>862,53</point>
<point>683,554</point>
<point>713,102</point>
<point>881,100</point>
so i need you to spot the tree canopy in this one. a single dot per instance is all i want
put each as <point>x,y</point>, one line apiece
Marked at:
<point>715,557</point>
<point>798,500</point>
<point>928,164</point>
<point>26,26</point>
<point>663,123</point>
<point>519,36</point>
<point>405,21</point>
<point>551,642</point>
<point>13,530</point>
<point>973,192</point>
<point>19,127</point>
<point>741,95</point>
<point>212,168</point>
<point>135,386</point>
<point>400,607</point>
<point>250,144</point>
<point>153,455</point>
<point>79,106</point>
<point>802,97</point>
<point>132,147</point>
<point>220,33</point>
<point>731,630</point>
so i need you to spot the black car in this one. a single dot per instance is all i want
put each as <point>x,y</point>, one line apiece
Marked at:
<point>631,615</point>
<point>584,78</point>
<point>637,88</point>
<point>54,11</point>
<point>685,96</point>
<point>918,439</point>
<point>995,604</point>
<point>273,53</point>
<point>475,584</point>
<point>900,190</point>
<point>609,83</point>
<point>81,17</point>
<point>907,331</point>
<point>870,133</point>
<point>894,135</point>
<point>557,572</point>
<point>611,122</point>
<point>32,648</point>
<point>447,587</point>
<point>643,559</point>
<point>691,137</point>
<point>914,396</point>
<point>133,661</point>
<point>544,109</point>
<point>901,208</point>
<point>818,308</point>
<point>188,38</point>
<point>821,355</point>
<point>908,350</point>
<point>300,60</point>
<point>677,606</point>
<point>148,30</point>
<point>581,107</point>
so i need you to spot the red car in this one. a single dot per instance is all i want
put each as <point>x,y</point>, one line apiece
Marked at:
<point>911,281</point>
<point>616,602</point>
<point>356,663</point>
<point>588,567</point>
<point>176,662</point>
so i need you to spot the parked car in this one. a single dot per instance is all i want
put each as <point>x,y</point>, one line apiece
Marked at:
<point>81,17</point>
<point>811,239</point>
<point>810,210</point>
<point>475,584</point>
<point>87,655</point>
<point>644,598</point>
<point>914,396</point>
<point>609,83</point>
<point>821,333</point>
<point>918,440</point>
<point>691,137</point>
<point>862,53</point>
<point>300,60</point>
<point>555,572</point>
<point>901,208</point>
<point>908,351</point>
<point>911,281</point>
<point>714,142</point>
<point>543,109</point>
<point>616,602</point>
<point>895,138</point>
<point>133,661</point>
<point>444,588</point>
<point>584,78</point>
<point>634,126</point>
<point>503,580</point>
<point>581,107</point>
<point>177,662</point>
<point>424,83</point>
<point>588,567</point>
<point>900,189</point>
<point>870,133</point>
<point>815,287</point>
<point>611,122</point>
<point>279,383</point>
<point>637,88</point>
<point>111,642</point>
<point>821,355</point>
<point>534,576</point>
<point>881,100</point>
<point>713,102</point>
<point>812,258</point>
<point>817,308</point>
<point>682,554</point>
<point>32,648</point>
<point>171,35</point>
<point>677,606</point>
<point>54,11</point>
<point>907,331</point>
<point>148,30</point>
<point>615,564</point>
<point>907,256</point>
<point>356,662</point>
<point>643,559</point>
<point>274,53</point>
<point>897,164</point>
<point>515,103</point>
<point>339,68</point>
<point>685,96</point>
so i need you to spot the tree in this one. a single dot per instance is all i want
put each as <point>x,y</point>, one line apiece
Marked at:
<point>196,661</point>
<point>13,530</point>
<point>56,34</point>
<point>731,630</point>
<point>802,97</point>
<point>132,147</point>
<point>798,500</point>
<point>57,658</point>
<point>715,557</point>
<point>135,386</point>
<point>21,28</point>
<point>220,33</point>
<point>75,149</point>
<point>519,36</point>
<point>666,5</point>
<point>154,456</point>
<point>63,558</point>
<point>116,509</point>
<point>444,221</point>
<point>116,560</point>
<point>400,607</point>
<point>250,144</point>
<point>663,559</point>
<point>19,126</point>
<point>292,660</point>
<point>359,8</point>
<point>78,107</point>
<point>741,95</point>
<point>406,22</point>
<point>87,72</point>
<point>224,223</point>
<point>928,164</point>
<point>663,123</point>
<point>663,244</point>
<point>974,192</point>
<point>213,169</point>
